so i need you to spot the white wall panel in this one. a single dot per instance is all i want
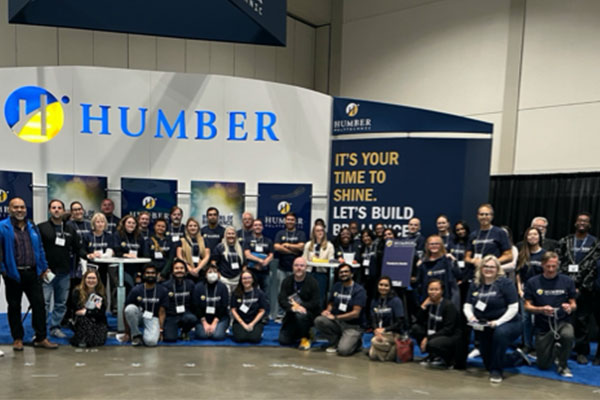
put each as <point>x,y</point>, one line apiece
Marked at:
<point>170,54</point>
<point>110,49</point>
<point>558,139</point>
<point>304,56</point>
<point>266,59</point>
<point>75,47</point>
<point>321,64</point>
<point>142,52</point>
<point>496,119</point>
<point>358,9</point>
<point>561,56</point>
<point>36,45</point>
<point>244,60</point>
<point>221,58</point>
<point>8,50</point>
<point>447,55</point>
<point>284,71</point>
<point>197,57</point>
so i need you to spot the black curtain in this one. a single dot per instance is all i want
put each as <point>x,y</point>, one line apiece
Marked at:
<point>558,197</point>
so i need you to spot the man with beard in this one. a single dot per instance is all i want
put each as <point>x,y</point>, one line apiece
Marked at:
<point>179,311</point>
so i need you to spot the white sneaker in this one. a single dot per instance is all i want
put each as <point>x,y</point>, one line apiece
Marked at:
<point>474,353</point>
<point>565,372</point>
<point>1,353</point>
<point>57,333</point>
<point>331,349</point>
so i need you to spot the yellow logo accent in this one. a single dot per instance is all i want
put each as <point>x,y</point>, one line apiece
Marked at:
<point>352,109</point>
<point>3,195</point>
<point>149,202</point>
<point>540,291</point>
<point>284,207</point>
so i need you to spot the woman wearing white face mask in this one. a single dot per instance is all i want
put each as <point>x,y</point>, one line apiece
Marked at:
<point>210,299</point>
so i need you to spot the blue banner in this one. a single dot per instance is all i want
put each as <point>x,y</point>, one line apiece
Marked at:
<point>247,21</point>
<point>362,116</point>
<point>277,199</point>
<point>392,180</point>
<point>397,262</point>
<point>88,190</point>
<point>156,196</point>
<point>15,184</point>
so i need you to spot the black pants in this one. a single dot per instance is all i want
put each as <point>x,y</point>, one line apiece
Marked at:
<point>294,327</point>
<point>582,321</point>
<point>32,287</point>
<point>439,346</point>
<point>242,335</point>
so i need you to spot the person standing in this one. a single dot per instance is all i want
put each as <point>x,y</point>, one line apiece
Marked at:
<point>23,264</point>
<point>108,207</point>
<point>245,234</point>
<point>258,251</point>
<point>61,244</point>
<point>212,233</point>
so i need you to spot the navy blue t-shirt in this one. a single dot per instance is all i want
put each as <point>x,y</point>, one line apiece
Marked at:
<point>180,294</point>
<point>492,241</point>
<point>497,297</point>
<point>227,262</point>
<point>127,243</point>
<point>161,254</point>
<point>212,236</point>
<point>367,259</point>
<point>175,233</point>
<point>386,311</point>
<point>253,244</point>
<point>293,237</point>
<point>244,236</point>
<point>94,243</point>
<point>533,267</point>
<point>582,246</point>
<point>149,299</point>
<point>554,292</point>
<point>254,300</point>
<point>354,295</point>
<point>211,295</point>
<point>440,268</point>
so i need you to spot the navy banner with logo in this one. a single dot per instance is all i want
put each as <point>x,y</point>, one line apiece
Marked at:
<point>277,199</point>
<point>397,262</point>
<point>15,184</point>
<point>156,196</point>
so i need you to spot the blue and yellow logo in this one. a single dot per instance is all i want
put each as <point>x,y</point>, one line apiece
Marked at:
<point>3,195</point>
<point>284,207</point>
<point>34,114</point>
<point>351,109</point>
<point>149,202</point>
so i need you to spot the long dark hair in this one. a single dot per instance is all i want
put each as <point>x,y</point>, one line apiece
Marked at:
<point>391,293</point>
<point>458,239</point>
<point>239,289</point>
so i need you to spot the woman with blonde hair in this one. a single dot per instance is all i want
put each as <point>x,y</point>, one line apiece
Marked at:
<point>318,248</point>
<point>229,258</point>
<point>192,250</point>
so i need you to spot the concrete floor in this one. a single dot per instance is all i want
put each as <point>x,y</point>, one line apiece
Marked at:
<point>248,373</point>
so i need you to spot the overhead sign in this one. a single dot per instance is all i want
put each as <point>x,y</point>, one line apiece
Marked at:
<point>156,196</point>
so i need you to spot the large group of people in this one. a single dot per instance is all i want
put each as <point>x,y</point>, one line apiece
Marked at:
<point>533,298</point>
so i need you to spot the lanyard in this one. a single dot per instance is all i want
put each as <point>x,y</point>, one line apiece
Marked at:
<point>251,297</point>
<point>62,230</point>
<point>175,294</point>
<point>379,314</point>
<point>485,240</point>
<point>351,291</point>
<point>430,326</point>
<point>487,298</point>
<point>153,297</point>
<point>214,296</point>
<point>580,249</point>
<point>101,241</point>
<point>553,323</point>
<point>290,237</point>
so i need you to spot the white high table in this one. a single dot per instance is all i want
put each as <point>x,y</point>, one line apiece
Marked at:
<point>120,262</point>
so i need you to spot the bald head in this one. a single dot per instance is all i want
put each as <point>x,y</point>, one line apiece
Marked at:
<point>299,268</point>
<point>17,209</point>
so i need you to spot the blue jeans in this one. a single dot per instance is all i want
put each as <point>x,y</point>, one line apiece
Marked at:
<point>59,289</point>
<point>493,343</point>
<point>281,275</point>
<point>134,318</point>
<point>218,334</point>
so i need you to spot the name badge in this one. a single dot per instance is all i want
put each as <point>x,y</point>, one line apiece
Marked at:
<point>60,241</point>
<point>211,310</point>
<point>133,253</point>
<point>478,327</point>
<point>259,247</point>
<point>461,264</point>
<point>244,308</point>
<point>367,272</point>
<point>348,258</point>
<point>366,262</point>
<point>343,307</point>
<point>573,268</point>
<point>175,238</point>
<point>235,265</point>
<point>158,255</point>
<point>478,256</point>
<point>480,305</point>
<point>195,259</point>
<point>430,332</point>
<point>147,315</point>
<point>180,309</point>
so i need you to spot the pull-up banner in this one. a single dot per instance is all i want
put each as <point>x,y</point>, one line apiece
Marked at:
<point>88,190</point>
<point>277,199</point>
<point>156,196</point>
<point>441,167</point>
<point>397,262</point>
<point>227,197</point>
<point>246,21</point>
<point>15,184</point>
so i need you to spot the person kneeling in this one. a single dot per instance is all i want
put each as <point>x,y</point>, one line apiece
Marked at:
<point>179,310</point>
<point>248,306</point>
<point>89,298</point>
<point>146,305</point>
<point>387,314</point>
<point>211,302</point>
<point>437,330</point>
<point>551,297</point>
<point>342,322</point>
<point>299,298</point>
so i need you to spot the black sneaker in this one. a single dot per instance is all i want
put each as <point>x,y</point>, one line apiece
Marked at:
<point>495,377</point>
<point>137,341</point>
<point>524,356</point>
<point>582,359</point>
<point>596,361</point>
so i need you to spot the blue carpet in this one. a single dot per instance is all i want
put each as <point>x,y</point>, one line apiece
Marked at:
<point>583,374</point>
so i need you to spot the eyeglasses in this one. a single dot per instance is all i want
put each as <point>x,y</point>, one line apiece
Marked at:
<point>435,244</point>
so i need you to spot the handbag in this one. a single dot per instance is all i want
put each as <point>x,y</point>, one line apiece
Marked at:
<point>404,349</point>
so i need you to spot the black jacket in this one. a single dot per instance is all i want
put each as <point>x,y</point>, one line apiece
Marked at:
<point>309,294</point>
<point>59,257</point>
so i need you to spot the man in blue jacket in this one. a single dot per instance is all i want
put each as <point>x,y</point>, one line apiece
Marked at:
<point>23,265</point>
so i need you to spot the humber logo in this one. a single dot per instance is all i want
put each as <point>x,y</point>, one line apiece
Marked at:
<point>149,202</point>
<point>284,207</point>
<point>351,109</point>
<point>3,195</point>
<point>34,114</point>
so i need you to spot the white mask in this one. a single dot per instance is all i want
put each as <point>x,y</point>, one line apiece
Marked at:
<point>212,277</point>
